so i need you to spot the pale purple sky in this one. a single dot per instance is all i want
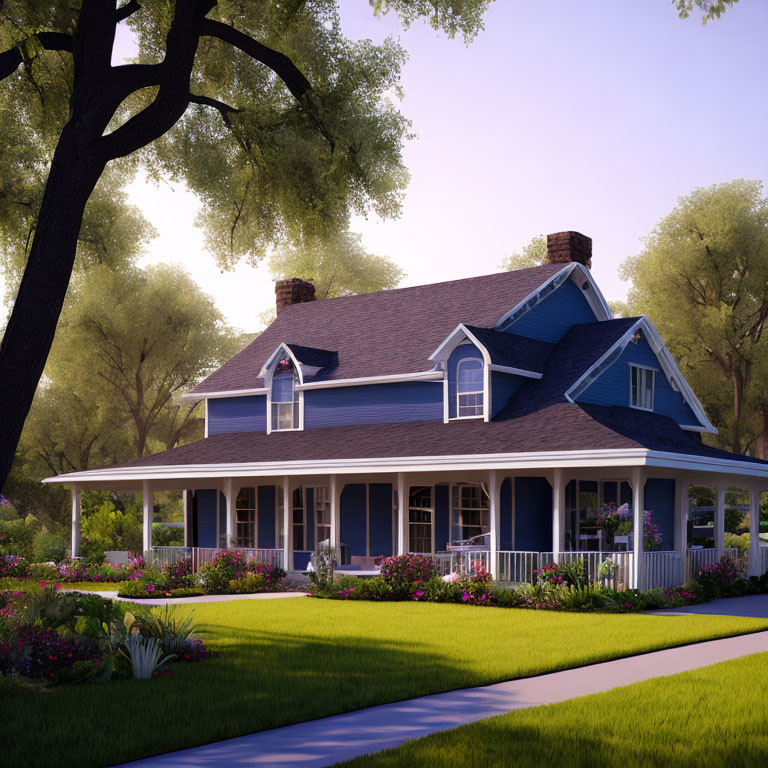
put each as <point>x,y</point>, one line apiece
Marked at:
<point>593,115</point>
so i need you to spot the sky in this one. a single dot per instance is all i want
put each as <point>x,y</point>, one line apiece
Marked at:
<point>594,115</point>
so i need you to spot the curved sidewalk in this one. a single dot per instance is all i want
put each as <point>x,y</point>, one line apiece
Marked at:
<point>330,740</point>
<point>112,595</point>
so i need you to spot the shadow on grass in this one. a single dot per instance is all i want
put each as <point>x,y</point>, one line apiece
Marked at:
<point>260,680</point>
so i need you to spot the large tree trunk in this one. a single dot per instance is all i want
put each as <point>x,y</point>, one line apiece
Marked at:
<point>31,327</point>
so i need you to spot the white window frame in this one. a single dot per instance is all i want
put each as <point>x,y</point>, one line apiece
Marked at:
<point>481,391</point>
<point>316,516</point>
<point>457,512</point>
<point>283,352</point>
<point>643,371</point>
<point>431,523</point>
<point>255,517</point>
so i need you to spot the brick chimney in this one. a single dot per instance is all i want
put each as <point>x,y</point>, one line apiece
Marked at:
<point>563,247</point>
<point>293,291</point>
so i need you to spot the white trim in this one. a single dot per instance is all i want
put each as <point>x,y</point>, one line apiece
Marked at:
<point>577,274</point>
<point>529,460</point>
<point>206,418</point>
<point>668,365</point>
<point>515,371</point>
<point>641,390</point>
<point>483,387</point>
<point>697,428</point>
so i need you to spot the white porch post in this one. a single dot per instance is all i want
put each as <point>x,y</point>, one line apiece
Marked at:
<point>334,491</point>
<point>755,560</point>
<point>720,520</point>
<point>231,517</point>
<point>185,501</point>
<point>402,516</point>
<point>558,514</point>
<point>494,509</point>
<point>681,526</point>
<point>287,524</point>
<point>148,508</point>
<point>638,527</point>
<point>75,520</point>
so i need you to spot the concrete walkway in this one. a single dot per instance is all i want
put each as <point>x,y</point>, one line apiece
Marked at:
<point>187,600</point>
<point>325,742</point>
<point>749,606</point>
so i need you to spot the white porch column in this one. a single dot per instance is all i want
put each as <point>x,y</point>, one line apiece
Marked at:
<point>720,520</point>
<point>185,502</point>
<point>638,527</point>
<point>231,516</point>
<point>494,509</point>
<point>755,560</point>
<point>75,520</point>
<point>681,525</point>
<point>148,505</point>
<point>334,491</point>
<point>402,514</point>
<point>558,514</point>
<point>287,524</point>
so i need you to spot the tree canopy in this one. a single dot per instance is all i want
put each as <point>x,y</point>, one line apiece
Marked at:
<point>702,278</point>
<point>533,254</point>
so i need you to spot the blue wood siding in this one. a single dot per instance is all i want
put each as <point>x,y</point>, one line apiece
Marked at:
<point>373,404</point>
<point>533,514</point>
<point>660,497</point>
<point>353,522</point>
<point>206,518</point>
<point>503,386</point>
<point>237,414</point>
<point>301,560</point>
<point>505,515</point>
<point>442,517</point>
<point>267,507</point>
<point>553,317</point>
<point>380,519</point>
<point>612,387</point>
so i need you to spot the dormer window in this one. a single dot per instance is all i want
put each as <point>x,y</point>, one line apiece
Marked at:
<point>641,386</point>
<point>469,387</point>
<point>284,398</point>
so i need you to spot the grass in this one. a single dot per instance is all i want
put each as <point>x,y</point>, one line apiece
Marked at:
<point>87,586</point>
<point>285,661</point>
<point>714,716</point>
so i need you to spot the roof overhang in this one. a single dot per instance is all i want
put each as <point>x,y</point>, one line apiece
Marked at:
<point>540,460</point>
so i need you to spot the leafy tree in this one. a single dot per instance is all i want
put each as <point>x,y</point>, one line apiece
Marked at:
<point>709,9</point>
<point>532,255</point>
<point>130,342</point>
<point>703,280</point>
<point>338,268</point>
<point>270,115</point>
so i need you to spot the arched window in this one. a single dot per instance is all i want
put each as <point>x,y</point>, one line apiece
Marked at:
<point>285,398</point>
<point>469,387</point>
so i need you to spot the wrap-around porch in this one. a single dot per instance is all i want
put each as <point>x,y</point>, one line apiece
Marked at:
<point>508,522</point>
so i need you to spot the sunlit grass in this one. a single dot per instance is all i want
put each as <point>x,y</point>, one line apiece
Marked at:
<point>284,661</point>
<point>715,716</point>
<point>87,586</point>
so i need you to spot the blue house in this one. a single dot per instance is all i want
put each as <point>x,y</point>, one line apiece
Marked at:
<point>506,420</point>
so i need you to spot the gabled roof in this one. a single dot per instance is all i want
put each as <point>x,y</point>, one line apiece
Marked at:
<point>511,350</point>
<point>384,333</point>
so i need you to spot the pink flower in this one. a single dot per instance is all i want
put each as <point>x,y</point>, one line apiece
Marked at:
<point>465,596</point>
<point>42,585</point>
<point>150,587</point>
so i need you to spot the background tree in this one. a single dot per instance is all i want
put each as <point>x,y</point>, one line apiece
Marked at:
<point>274,154</point>
<point>532,255</point>
<point>339,268</point>
<point>703,281</point>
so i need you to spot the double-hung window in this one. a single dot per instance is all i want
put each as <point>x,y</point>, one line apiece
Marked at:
<point>641,384</point>
<point>285,401</point>
<point>245,513</point>
<point>322,515</point>
<point>470,511</point>
<point>420,518</point>
<point>469,387</point>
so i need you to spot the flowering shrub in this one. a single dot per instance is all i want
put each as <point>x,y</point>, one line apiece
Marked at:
<point>79,570</point>
<point>652,534</point>
<point>570,574</point>
<point>405,570</point>
<point>180,574</point>
<point>13,566</point>
<point>721,579</point>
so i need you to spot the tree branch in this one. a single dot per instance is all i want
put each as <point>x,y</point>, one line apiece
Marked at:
<point>11,59</point>
<point>278,62</point>
<point>207,101</point>
<point>124,11</point>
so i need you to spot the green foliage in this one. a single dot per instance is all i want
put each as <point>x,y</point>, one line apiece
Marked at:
<point>167,536</point>
<point>532,255</point>
<point>48,547</point>
<point>111,528</point>
<point>17,537</point>
<point>709,9</point>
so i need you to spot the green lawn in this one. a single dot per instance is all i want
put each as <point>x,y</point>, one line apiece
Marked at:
<point>284,661</point>
<point>88,586</point>
<point>711,717</point>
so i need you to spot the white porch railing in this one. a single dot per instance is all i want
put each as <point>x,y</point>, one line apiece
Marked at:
<point>461,562</point>
<point>698,559</point>
<point>622,576</point>
<point>518,567</point>
<point>163,556</point>
<point>663,569</point>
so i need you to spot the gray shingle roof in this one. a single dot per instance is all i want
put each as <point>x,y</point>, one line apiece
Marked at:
<point>512,350</point>
<point>384,333</point>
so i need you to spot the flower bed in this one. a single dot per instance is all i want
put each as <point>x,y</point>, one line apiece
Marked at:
<point>557,587</point>
<point>53,637</point>
<point>228,573</point>
<point>69,571</point>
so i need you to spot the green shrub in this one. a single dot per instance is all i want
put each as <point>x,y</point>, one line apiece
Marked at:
<point>138,589</point>
<point>44,572</point>
<point>740,542</point>
<point>17,536</point>
<point>248,582</point>
<point>48,547</point>
<point>186,592</point>
<point>110,528</point>
<point>167,536</point>
<point>403,570</point>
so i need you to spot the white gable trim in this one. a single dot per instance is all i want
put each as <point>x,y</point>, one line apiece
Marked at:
<point>578,274</point>
<point>668,365</point>
<point>268,373</point>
